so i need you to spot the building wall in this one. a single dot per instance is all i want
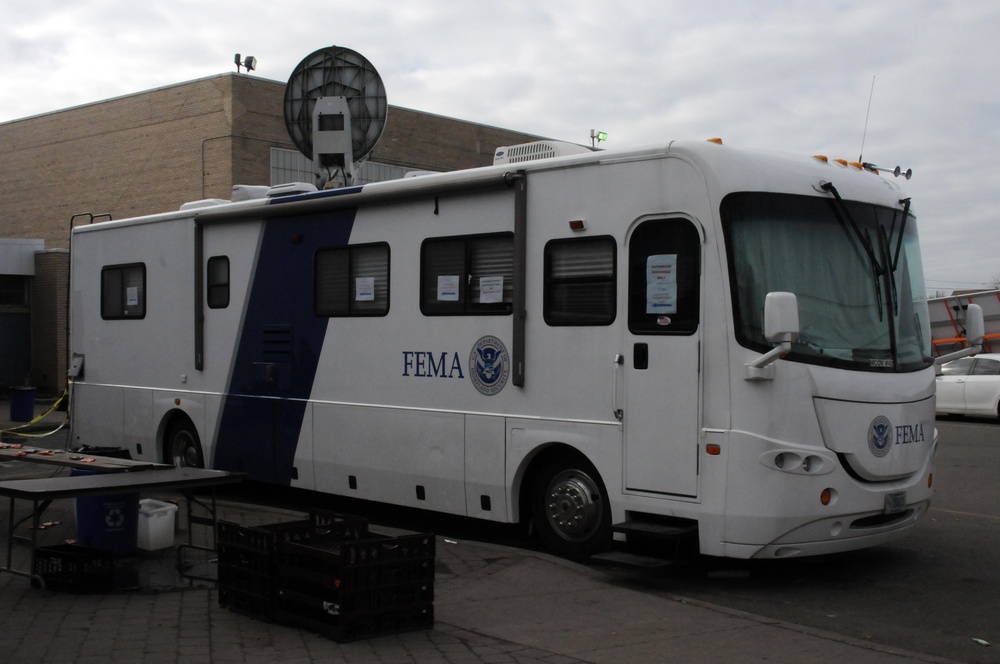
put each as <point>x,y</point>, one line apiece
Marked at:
<point>153,151</point>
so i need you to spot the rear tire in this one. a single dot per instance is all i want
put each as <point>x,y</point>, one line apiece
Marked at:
<point>571,508</point>
<point>183,448</point>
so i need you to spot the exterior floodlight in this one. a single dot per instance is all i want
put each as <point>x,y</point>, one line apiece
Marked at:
<point>250,63</point>
<point>597,136</point>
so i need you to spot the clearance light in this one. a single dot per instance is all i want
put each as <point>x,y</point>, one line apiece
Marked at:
<point>826,496</point>
<point>576,225</point>
<point>821,157</point>
<point>713,449</point>
<point>842,162</point>
<point>858,165</point>
<point>716,140</point>
<point>930,480</point>
<point>177,402</point>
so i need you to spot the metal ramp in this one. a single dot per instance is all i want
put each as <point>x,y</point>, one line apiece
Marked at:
<point>947,316</point>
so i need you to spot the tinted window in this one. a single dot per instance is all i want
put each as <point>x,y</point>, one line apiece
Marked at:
<point>580,282</point>
<point>958,367</point>
<point>217,282</point>
<point>123,291</point>
<point>664,277</point>
<point>986,367</point>
<point>352,281</point>
<point>467,275</point>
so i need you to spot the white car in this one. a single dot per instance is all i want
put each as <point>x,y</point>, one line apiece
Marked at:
<point>970,386</point>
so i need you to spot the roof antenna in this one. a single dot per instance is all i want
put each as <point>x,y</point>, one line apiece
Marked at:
<point>867,113</point>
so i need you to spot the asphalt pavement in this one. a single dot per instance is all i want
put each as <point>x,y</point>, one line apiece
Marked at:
<point>491,603</point>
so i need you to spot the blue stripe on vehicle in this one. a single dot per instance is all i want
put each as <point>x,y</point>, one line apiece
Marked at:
<point>278,349</point>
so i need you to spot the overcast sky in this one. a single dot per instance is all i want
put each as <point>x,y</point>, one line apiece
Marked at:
<point>794,76</point>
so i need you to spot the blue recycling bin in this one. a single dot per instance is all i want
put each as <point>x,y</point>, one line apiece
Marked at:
<point>109,523</point>
<point>22,404</point>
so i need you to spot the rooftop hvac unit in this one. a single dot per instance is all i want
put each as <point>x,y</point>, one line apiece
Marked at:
<point>513,154</point>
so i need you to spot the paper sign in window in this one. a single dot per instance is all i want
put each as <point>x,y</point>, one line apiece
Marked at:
<point>364,289</point>
<point>448,288</point>
<point>491,290</point>
<point>661,284</point>
<point>132,296</point>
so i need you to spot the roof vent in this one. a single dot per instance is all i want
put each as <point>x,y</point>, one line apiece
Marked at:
<point>203,203</point>
<point>291,188</point>
<point>248,192</point>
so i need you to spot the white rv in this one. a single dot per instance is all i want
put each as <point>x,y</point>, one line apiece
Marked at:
<point>689,338</point>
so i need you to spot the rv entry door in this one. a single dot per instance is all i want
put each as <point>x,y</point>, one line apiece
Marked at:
<point>662,357</point>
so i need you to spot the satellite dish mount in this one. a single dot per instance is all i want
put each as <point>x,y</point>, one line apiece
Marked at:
<point>335,111</point>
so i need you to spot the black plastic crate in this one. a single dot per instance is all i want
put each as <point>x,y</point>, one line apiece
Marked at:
<point>75,569</point>
<point>355,589</point>
<point>369,567</point>
<point>330,620</point>
<point>247,555</point>
<point>321,526</point>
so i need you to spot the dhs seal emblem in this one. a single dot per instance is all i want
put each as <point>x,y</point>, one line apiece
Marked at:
<point>489,365</point>
<point>880,436</point>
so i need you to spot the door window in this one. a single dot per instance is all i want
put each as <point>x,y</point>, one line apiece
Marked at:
<point>664,277</point>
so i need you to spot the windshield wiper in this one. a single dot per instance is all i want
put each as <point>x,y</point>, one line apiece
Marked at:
<point>902,229</point>
<point>893,263</point>
<point>864,239</point>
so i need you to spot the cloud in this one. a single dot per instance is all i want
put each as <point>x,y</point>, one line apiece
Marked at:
<point>792,76</point>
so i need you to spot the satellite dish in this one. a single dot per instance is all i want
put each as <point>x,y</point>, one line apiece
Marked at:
<point>336,72</point>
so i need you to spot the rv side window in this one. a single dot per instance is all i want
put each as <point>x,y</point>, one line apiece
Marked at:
<point>217,282</point>
<point>580,281</point>
<point>467,275</point>
<point>352,281</point>
<point>123,291</point>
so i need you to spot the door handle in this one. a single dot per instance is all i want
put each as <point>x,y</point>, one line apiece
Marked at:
<point>617,374</point>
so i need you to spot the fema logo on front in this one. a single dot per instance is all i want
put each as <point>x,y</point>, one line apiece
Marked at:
<point>880,436</point>
<point>489,365</point>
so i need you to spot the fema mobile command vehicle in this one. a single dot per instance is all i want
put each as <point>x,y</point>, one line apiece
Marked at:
<point>684,339</point>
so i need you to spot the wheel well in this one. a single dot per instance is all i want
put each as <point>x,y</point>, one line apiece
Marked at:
<point>542,457</point>
<point>171,420</point>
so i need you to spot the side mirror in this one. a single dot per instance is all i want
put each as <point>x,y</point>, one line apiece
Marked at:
<point>781,317</point>
<point>781,326</point>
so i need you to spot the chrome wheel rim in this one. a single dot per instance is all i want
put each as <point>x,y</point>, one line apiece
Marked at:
<point>573,505</point>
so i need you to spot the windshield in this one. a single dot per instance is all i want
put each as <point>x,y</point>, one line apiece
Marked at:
<point>859,284</point>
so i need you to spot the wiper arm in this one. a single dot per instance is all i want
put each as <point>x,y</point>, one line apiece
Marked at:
<point>902,228</point>
<point>887,241</point>
<point>877,270</point>
<point>884,242</point>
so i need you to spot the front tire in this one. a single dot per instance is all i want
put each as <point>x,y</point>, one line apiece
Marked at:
<point>571,508</point>
<point>183,447</point>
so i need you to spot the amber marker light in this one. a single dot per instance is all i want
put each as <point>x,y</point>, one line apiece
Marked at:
<point>177,402</point>
<point>577,225</point>
<point>716,140</point>
<point>930,480</point>
<point>826,496</point>
<point>713,449</point>
<point>822,158</point>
